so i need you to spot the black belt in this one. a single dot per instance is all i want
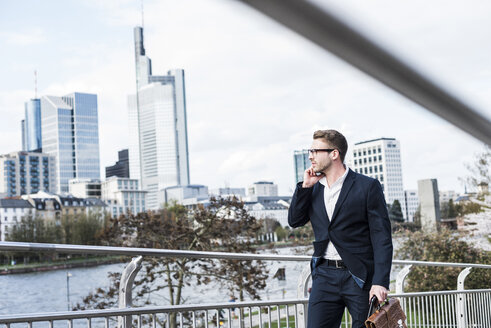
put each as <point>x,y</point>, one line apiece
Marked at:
<point>336,263</point>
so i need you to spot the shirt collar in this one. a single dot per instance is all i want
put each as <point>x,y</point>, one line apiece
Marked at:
<point>340,180</point>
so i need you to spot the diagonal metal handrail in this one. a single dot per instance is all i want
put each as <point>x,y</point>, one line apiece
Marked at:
<point>331,33</point>
<point>12,246</point>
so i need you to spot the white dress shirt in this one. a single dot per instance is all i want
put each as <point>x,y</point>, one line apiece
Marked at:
<point>331,195</point>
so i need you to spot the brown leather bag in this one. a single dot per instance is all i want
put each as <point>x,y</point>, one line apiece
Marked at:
<point>389,315</point>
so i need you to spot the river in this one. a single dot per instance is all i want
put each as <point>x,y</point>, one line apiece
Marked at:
<point>47,291</point>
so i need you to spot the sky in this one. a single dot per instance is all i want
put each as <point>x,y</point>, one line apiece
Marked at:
<point>255,90</point>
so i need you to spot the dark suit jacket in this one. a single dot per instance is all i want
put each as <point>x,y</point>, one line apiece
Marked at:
<point>359,227</point>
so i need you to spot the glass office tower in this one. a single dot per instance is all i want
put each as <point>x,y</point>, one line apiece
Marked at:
<point>158,147</point>
<point>70,131</point>
<point>302,162</point>
<point>32,125</point>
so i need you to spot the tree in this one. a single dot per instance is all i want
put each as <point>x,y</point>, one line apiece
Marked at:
<point>224,225</point>
<point>444,246</point>
<point>281,233</point>
<point>480,169</point>
<point>79,229</point>
<point>269,227</point>
<point>452,211</point>
<point>395,212</point>
<point>34,229</point>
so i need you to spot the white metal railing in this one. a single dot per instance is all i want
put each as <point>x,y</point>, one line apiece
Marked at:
<point>456,308</point>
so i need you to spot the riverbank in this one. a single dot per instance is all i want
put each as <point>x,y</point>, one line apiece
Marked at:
<point>50,266</point>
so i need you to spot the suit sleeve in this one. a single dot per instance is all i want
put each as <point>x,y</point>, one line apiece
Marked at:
<point>298,213</point>
<point>380,235</point>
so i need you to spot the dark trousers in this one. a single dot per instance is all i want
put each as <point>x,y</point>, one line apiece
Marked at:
<point>332,290</point>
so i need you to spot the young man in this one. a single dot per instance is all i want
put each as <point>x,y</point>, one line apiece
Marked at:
<point>353,244</point>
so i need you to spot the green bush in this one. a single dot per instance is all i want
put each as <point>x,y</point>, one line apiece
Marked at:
<point>443,246</point>
<point>467,208</point>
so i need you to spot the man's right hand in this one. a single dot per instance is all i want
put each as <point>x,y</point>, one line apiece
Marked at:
<point>310,178</point>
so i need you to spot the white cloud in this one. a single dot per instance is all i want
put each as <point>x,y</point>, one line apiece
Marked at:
<point>31,36</point>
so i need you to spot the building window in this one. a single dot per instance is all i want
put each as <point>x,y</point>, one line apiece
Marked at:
<point>381,168</point>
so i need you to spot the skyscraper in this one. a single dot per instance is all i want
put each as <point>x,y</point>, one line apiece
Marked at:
<point>70,132</point>
<point>31,126</point>
<point>381,159</point>
<point>158,147</point>
<point>302,162</point>
<point>121,168</point>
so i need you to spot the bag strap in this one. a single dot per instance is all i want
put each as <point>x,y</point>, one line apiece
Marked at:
<point>373,306</point>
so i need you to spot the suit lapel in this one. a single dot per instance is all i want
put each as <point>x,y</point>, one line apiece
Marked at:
<point>348,183</point>
<point>323,203</point>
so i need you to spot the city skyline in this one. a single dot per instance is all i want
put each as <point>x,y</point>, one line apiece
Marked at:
<point>255,91</point>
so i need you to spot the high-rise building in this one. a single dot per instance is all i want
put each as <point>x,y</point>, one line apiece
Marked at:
<point>302,162</point>
<point>31,126</point>
<point>27,173</point>
<point>121,168</point>
<point>70,132</point>
<point>412,203</point>
<point>23,133</point>
<point>158,147</point>
<point>381,159</point>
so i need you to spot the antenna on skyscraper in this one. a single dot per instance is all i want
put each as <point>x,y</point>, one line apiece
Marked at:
<point>35,84</point>
<point>142,12</point>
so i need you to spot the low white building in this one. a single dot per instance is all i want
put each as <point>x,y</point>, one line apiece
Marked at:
<point>277,211</point>
<point>85,188</point>
<point>446,195</point>
<point>262,188</point>
<point>226,192</point>
<point>187,195</point>
<point>12,211</point>
<point>123,195</point>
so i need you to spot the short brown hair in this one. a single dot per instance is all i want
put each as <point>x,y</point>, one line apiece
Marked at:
<point>334,139</point>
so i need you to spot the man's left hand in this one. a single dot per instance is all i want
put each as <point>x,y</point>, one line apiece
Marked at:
<point>379,291</point>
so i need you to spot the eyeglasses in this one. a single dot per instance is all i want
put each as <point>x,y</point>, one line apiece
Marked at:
<point>314,151</point>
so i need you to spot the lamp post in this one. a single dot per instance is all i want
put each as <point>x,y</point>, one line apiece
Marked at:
<point>68,275</point>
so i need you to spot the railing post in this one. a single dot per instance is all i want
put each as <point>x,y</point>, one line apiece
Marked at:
<point>303,292</point>
<point>401,276</point>
<point>461,299</point>
<point>125,289</point>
